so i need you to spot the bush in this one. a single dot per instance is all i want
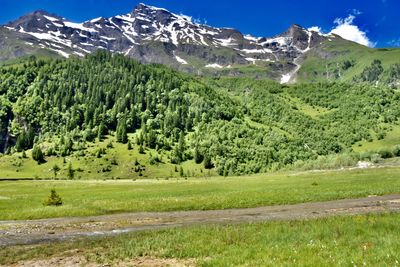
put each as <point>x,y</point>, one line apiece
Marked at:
<point>396,151</point>
<point>385,153</point>
<point>376,158</point>
<point>54,199</point>
<point>37,154</point>
<point>70,172</point>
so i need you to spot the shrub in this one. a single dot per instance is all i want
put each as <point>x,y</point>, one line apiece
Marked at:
<point>70,172</point>
<point>53,200</point>
<point>385,153</point>
<point>396,151</point>
<point>376,158</point>
<point>37,154</point>
<point>141,149</point>
<point>56,169</point>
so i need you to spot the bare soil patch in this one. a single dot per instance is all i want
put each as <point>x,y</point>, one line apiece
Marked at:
<point>59,229</point>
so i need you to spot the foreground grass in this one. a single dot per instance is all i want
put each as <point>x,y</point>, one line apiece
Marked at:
<point>23,199</point>
<point>368,240</point>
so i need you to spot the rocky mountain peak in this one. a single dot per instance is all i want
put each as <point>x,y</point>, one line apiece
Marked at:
<point>156,35</point>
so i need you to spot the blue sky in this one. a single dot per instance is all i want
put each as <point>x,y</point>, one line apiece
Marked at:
<point>372,22</point>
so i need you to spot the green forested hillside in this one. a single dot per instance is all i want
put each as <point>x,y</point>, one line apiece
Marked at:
<point>340,60</point>
<point>71,111</point>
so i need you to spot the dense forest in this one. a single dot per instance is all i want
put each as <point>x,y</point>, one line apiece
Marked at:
<point>232,125</point>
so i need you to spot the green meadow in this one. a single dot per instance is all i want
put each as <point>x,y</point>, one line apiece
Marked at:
<point>23,199</point>
<point>368,240</point>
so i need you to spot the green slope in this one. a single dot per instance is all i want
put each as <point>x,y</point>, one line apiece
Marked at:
<point>227,126</point>
<point>326,62</point>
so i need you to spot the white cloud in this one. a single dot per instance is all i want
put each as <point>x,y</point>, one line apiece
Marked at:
<point>315,29</point>
<point>356,12</point>
<point>394,42</point>
<point>346,29</point>
<point>188,18</point>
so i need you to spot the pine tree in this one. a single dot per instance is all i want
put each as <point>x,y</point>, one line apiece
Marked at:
<point>37,154</point>
<point>101,131</point>
<point>70,172</point>
<point>141,149</point>
<point>122,135</point>
<point>54,199</point>
<point>180,149</point>
<point>55,169</point>
<point>181,172</point>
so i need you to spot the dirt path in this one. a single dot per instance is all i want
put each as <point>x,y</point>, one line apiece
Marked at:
<point>50,230</point>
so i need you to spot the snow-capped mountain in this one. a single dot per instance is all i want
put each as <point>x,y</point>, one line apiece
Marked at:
<point>155,35</point>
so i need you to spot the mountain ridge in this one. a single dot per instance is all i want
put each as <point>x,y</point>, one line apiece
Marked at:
<point>155,35</point>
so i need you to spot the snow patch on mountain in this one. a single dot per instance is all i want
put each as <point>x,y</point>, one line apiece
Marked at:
<point>214,66</point>
<point>78,26</point>
<point>180,60</point>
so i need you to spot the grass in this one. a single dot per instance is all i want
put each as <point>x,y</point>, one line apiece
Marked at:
<point>367,240</point>
<point>117,163</point>
<point>23,199</point>
<point>391,139</point>
<point>313,112</point>
<point>333,53</point>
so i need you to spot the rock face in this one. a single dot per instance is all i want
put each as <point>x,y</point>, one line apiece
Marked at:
<point>155,35</point>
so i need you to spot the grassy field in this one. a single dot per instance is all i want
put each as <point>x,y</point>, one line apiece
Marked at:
<point>117,163</point>
<point>388,142</point>
<point>370,240</point>
<point>23,199</point>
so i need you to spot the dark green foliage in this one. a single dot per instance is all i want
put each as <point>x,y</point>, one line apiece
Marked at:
<point>37,154</point>
<point>101,131</point>
<point>141,149</point>
<point>110,145</point>
<point>396,151</point>
<point>130,145</point>
<point>207,162</point>
<point>371,73</point>
<point>198,157</point>
<point>122,134</point>
<point>236,125</point>
<point>53,200</point>
<point>385,153</point>
<point>394,76</point>
<point>347,64</point>
<point>56,169</point>
<point>25,140</point>
<point>70,172</point>
<point>181,172</point>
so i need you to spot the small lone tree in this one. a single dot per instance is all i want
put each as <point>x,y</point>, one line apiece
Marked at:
<point>141,149</point>
<point>70,172</point>
<point>129,145</point>
<point>53,200</point>
<point>56,169</point>
<point>37,154</point>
